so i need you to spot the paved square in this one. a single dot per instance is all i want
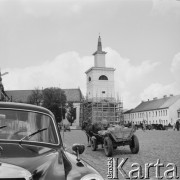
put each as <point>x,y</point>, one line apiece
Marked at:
<point>154,144</point>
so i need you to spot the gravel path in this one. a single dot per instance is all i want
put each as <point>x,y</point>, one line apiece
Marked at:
<point>154,144</point>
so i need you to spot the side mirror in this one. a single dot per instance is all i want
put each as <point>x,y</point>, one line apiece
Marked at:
<point>78,148</point>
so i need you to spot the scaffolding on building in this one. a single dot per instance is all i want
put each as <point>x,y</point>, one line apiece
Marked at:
<point>96,111</point>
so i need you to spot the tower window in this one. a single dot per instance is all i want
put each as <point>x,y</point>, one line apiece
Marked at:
<point>89,78</point>
<point>103,77</point>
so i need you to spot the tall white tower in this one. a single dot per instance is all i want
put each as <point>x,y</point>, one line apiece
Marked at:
<point>100,79</point>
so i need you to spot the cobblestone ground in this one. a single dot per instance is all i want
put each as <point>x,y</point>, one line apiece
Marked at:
<point>154,144</point>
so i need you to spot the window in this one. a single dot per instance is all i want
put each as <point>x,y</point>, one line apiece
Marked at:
<point>178,114</point>
<point>89,78</point>
<point>103,77</point>
<point>19,124</point>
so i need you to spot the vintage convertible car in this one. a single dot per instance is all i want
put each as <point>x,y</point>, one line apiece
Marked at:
<point>31,147</point>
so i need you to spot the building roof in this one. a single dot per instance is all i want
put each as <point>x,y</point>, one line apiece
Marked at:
<point>100,68</point>
<point>99,48</point>
<point>127,111</point>
<point>72,95</point>
<point>164,102</point>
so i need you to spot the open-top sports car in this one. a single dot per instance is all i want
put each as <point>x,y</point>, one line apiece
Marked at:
<point>31,147</point>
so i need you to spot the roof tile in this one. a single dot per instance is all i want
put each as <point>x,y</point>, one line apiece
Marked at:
<point>156,104</point>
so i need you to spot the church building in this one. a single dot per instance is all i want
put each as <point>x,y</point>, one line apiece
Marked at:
<point>100,79</point>
<point>100,103</point>
<point>100,88</point>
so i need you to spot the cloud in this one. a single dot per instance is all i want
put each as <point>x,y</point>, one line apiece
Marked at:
<point>158,89</point>
<point>67,70</point>
<point>165,7</point>
<point>46,8</point>
<point>175,67</point>
<point>126,72</point>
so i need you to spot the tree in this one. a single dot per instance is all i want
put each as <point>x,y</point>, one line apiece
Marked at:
<point>71,112</point>
<point>36,97</point>
<point>54,99</point>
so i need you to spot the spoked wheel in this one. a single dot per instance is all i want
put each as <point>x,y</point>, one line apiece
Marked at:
<point>134,145</point>
<point>108,146</point>
<point>93,144</point>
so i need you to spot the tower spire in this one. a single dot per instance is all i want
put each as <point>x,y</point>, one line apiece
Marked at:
<point>99,47</point>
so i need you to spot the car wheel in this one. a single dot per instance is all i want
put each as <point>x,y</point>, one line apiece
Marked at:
<point>134,144</point>
<point>93,144</point>
<point>108,146</point>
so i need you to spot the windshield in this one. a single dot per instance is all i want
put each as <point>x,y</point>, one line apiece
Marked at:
<point>17,124</point>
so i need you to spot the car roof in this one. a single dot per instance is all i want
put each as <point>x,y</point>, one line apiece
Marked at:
<point>23,106</point>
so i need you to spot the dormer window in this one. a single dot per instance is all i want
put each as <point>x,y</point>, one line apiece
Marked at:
<point>103,77</point>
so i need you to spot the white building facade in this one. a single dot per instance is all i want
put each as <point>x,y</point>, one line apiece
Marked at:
<point>157,111</point>
<point>100,79</point>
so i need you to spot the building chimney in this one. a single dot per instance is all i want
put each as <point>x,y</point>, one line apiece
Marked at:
<point>165,96</point>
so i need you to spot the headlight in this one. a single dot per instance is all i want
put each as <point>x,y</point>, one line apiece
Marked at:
<point>92,177</point>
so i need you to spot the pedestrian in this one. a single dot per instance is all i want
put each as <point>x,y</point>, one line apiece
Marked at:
<point>177,125</point>
<point>144,125</point>
<point>174,126</point>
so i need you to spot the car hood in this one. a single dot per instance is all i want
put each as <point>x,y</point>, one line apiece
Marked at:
<point>39,161</point>
<point>49,163</point>
<point>80,169</point>
<point>13,172</point>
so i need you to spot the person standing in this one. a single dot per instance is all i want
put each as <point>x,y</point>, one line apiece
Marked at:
<point>174,126</point>
<point>177,125</point>
<point>144,125</point>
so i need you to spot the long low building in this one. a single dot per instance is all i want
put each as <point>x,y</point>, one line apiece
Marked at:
<point>157,111</point>
<point>72,95</point>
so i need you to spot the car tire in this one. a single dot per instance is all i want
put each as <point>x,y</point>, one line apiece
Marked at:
<point>134,144</point>
<point>93,144</point>
<point>108,146</point>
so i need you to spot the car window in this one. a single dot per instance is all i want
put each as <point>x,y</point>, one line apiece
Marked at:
<point>16,124</point>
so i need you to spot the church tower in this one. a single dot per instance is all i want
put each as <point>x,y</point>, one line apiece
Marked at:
<point>100,79</point>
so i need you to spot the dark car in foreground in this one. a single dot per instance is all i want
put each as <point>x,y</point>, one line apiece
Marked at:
<point>31,147</point>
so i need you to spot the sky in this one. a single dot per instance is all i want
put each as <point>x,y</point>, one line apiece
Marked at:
<point>49,43</point>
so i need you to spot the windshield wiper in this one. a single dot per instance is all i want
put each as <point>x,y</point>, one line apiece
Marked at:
<point>32,134</point>
<point>2,127</point>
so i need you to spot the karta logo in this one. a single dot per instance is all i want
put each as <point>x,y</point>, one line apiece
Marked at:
<point>115,169</point>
